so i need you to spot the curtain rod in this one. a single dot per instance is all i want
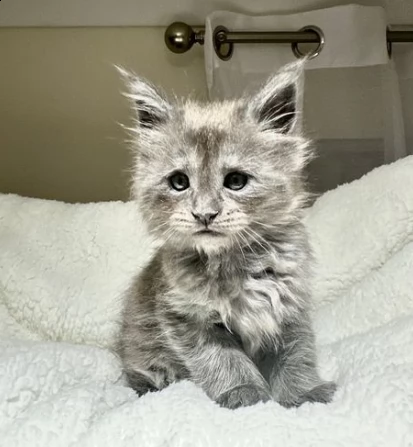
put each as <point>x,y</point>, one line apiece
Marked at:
<point>180,37</point>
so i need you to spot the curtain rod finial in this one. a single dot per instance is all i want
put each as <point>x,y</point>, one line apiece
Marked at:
<point>180,37</point>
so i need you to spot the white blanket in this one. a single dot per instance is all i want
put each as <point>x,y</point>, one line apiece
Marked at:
<point>63,269</point>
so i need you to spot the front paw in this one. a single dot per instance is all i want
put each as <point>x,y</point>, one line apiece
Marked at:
<point>322,393</point>
<point>243,396</point>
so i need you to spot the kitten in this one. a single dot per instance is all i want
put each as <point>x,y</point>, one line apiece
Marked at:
<point>224,301</point>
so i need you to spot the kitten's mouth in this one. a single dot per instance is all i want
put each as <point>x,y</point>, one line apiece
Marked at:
<point>208,232</point>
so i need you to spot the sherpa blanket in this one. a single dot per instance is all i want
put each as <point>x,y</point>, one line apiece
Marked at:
<point>63,269</point>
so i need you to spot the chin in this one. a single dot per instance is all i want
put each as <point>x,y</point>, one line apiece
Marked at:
<point>211,244</point>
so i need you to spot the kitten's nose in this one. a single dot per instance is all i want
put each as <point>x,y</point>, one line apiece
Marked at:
<point>205,218</point>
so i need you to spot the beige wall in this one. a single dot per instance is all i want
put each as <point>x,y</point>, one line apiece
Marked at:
<point>60,104</point>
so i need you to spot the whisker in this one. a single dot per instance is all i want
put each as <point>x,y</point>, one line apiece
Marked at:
<point>262,224</point>
<point>184,221</point>
<point>244,239</point>
<point>256,254</point>
<point>260,238</point>
<point>249,244</point>
<point>265,247</point>
<point>253,238</point>
<point>169,237</point>
<point>159,226</point>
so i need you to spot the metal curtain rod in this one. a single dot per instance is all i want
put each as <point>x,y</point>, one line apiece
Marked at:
<point>180,37</point>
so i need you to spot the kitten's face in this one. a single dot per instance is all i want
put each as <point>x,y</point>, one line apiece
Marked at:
<point>212,176</point>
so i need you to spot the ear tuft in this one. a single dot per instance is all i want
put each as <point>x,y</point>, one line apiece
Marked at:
<point>151,107</point>
<point>275,105</point>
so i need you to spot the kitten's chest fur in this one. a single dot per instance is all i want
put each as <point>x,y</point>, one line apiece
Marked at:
<point>252,293</point>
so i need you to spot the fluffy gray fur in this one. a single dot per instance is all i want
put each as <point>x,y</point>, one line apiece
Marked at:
<point>224,302</point>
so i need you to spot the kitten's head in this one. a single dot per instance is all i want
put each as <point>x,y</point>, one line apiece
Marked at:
<point>217,175</point>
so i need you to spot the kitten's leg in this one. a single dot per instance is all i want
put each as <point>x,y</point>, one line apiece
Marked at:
<point>216,362</point>
<point>292,370</point>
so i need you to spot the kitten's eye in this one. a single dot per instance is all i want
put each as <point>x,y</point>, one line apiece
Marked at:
<point>235,180</point>
<point>179,181</point>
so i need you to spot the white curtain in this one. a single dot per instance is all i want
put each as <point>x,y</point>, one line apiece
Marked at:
<point>358,102</point>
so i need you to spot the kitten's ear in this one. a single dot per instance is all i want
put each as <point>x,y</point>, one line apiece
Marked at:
<point>275,105</point>
<point>151,107</point>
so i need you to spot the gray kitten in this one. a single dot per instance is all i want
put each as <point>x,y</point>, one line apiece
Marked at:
<point>224,301</point>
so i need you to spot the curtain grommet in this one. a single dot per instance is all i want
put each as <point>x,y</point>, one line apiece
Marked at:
<point>312,54</point>
<point>219,41</point>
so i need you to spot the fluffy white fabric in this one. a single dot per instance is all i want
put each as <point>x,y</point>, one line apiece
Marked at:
<point>63,269</point>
